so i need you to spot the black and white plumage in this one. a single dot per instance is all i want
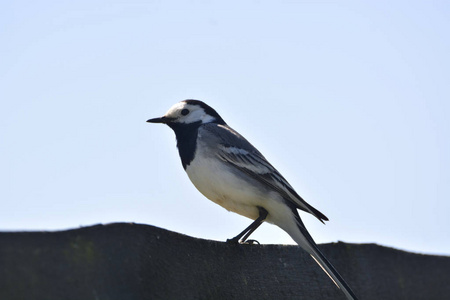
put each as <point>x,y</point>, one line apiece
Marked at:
<point>231,172</point>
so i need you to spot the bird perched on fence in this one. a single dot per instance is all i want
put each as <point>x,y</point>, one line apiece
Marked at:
<point>231,172</point>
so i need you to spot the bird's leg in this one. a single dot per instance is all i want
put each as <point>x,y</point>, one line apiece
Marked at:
<point>250,229</point>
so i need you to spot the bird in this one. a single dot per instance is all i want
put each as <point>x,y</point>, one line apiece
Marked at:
<point>228,170</point>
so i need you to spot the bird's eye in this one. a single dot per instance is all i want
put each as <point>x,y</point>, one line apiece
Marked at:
<point>185,111</point>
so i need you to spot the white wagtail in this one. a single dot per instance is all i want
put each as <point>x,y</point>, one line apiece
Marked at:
<point>231,172</point>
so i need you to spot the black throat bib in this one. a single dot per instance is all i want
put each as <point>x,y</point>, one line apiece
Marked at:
<point>186,135</point>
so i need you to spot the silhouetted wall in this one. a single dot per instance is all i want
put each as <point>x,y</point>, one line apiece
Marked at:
<point>131,261</point>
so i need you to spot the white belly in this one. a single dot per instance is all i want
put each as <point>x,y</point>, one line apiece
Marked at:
<point>230,191</point>
<point>225,188</point>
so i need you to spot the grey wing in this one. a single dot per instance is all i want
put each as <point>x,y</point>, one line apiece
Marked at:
<point>235,150</point>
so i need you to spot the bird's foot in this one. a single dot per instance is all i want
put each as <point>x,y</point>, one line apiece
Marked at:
<point>240,242</point>
<point>233,241</point>
<point>250,242</point>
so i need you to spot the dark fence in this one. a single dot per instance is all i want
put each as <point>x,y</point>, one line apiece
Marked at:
<point>130,261</point>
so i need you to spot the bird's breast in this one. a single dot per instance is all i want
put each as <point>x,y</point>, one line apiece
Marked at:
<point>221,184</point>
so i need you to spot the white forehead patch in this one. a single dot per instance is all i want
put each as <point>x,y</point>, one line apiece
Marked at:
<point>175,110</point>
<point>196,113</point>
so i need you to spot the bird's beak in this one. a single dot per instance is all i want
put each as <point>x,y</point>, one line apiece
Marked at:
<point>163,120</point>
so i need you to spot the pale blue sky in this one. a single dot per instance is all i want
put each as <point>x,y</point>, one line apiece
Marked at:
<point>349,100</point>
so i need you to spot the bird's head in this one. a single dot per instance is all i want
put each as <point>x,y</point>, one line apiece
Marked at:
<point>189,112</point>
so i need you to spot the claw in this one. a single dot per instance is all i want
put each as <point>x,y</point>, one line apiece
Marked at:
<point>233,241</point>
<point>250,242</point>
<point>240,242</point>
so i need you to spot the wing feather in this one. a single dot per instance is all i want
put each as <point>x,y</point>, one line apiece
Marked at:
<point>255,165</point>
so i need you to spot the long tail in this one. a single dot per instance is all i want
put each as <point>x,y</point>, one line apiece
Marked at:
<point>304,240</point>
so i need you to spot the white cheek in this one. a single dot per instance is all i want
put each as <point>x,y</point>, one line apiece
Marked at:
<point>207,119</point>
<point>198,115</point>
<point>192,117</point>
